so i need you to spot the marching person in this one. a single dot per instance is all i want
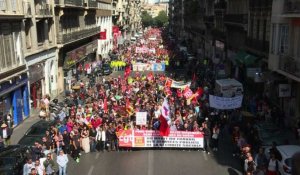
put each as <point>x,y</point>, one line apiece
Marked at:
<point>28,166</point>
<point>50,165</point>
<point>207,135</point>
<point>62,161</point>
<point>215,137</point>
<point>101,139</point>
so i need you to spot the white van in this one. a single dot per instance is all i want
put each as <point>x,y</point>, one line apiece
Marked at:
<point>228,88</point>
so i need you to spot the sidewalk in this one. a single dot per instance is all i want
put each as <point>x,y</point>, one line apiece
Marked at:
<point>20,130</point>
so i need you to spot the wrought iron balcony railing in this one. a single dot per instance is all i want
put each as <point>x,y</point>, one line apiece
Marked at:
<point>290,65</point>
<point>64,38</point>
<point>291,6</point>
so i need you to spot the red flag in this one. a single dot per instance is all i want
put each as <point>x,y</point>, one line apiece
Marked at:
<point>199,91</point>
<point>168,83</point>
<point>150,76</point>
<point>179,93</point>
<point>168,91</point>
<point>127,71</point>
<point>105,105</point>
<point>187,92</point>
<point>164,129</point>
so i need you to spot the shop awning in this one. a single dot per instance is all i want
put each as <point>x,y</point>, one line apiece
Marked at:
<point>245,58</point>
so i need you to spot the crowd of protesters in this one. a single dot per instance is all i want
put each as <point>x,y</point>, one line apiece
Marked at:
<point>92,116</point>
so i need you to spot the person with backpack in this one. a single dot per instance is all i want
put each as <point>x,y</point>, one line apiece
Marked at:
<point>272,166</point>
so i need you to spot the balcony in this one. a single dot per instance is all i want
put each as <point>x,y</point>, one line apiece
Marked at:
<point>291,7</point>
<point>290,65</point>
<point>43,10</point>
<point>92,4</point>
<point>72,3</point>
<point>77,35</point>
<point>257,45</point>
<point>220,5</point>
<point>236,19</point>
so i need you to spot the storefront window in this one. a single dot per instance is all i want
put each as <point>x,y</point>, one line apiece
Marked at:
<point>5,105</point>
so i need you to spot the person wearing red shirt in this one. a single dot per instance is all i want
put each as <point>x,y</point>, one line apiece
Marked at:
<point>96,122</point>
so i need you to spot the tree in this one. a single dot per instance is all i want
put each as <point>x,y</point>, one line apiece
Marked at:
<point>162,19</point>
<point>147,19</point>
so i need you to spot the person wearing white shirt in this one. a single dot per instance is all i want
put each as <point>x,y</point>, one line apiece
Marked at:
<point>39,167</point>
<point>101,138</point>
<point>62,160</point>
<point>27,167</point>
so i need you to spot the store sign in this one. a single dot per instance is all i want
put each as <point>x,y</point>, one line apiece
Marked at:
<point>285,90</point>
<point>153,139</point>
<point>78,54</point>
<point>15,82</point>
<point>103,35</point>
<point>36,72</point>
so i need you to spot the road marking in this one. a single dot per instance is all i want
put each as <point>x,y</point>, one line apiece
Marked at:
<point>91,170</point>
<point>150,162</point>
<point>205,156</point>
<point>97,155</point>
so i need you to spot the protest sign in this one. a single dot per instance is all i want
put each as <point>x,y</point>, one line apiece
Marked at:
<point>224,102</point>
<point>141,118</point>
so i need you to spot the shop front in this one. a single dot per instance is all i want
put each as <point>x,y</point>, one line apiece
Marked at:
<point>14,98</point>
<point>77,61</point>
<point>37,81</point>
<point>42,69</point>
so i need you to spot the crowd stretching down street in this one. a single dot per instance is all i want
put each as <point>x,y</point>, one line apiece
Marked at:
<point>95,113</point>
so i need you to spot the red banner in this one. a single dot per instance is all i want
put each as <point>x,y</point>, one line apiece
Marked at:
<point>151,138</point>
<point>103,35</point>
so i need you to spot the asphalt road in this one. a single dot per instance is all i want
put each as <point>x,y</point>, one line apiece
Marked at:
<point>159,162</point>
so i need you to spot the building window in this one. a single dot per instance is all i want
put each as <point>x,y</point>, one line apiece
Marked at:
<point>273,46</point>
<point>40,26</point>
<point>264,30</point>
<point>14,5</point>
<point>297,29</point>
<point>17,44</point>
<point>2,4</point>
<point>28,33</point>
<point>257,29</point>
<point>283,38</point>
<point>251,28</point>
<point>7,42</point>
<point>50,33</point>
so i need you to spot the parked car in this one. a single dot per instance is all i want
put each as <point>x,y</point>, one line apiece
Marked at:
<point>106,69</point>
<point>268,133</point>
<point>12,159</point>
<point>35,133</point>
<point>287,152</point>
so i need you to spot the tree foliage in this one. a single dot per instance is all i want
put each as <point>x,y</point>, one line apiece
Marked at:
<point>160,21</point>
<point>147,19</point>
